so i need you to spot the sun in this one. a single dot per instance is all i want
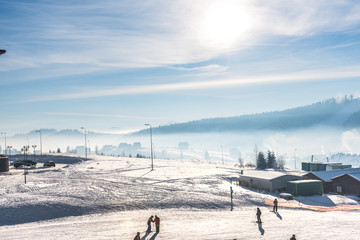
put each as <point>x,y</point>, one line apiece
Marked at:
<point>224,24</point>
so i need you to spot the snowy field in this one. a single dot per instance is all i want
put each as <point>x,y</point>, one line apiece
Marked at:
<point>112,198</point>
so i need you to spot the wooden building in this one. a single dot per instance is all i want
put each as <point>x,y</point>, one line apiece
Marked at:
<point>347,184</point>
<point>327,177</point>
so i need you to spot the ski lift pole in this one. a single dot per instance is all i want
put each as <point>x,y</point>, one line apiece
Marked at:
<point>231,196</point>
<point>25,173</point>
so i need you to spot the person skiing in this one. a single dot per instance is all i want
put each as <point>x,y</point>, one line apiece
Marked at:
<point>137,237</point>
<point>149,221</point>
<point>157,223</point>
<point>293,237</point>
<point>275,205</point>
<point>258,215</point>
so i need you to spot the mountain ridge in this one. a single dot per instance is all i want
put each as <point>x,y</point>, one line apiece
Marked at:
<point>330,112</point>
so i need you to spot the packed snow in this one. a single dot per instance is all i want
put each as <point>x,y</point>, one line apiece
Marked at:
<point>112,198</point>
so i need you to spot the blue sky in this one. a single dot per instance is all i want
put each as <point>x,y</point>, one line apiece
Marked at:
<point>112,66</point>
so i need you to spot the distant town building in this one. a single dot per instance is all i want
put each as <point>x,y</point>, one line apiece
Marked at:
<point>108,149</point>
<point>183,145</point>
<point>81,149</point>
<point>136,146</point>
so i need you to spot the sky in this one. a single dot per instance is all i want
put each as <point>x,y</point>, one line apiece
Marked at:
<point>115,65</point>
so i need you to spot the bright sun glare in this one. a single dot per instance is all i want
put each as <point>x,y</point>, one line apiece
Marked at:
<point>224,24</point>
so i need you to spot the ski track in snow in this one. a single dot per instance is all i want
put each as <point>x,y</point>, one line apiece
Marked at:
<point>111,198</point>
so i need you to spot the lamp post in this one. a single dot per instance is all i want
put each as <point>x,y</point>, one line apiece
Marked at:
<point>151,146</point>
<point>39,131</point>
<point>295,157</point>
<point>9,147</point>
<point>34,146</point>
<point>85,142</point>
<point>5,142</point>
<point>25,149</point>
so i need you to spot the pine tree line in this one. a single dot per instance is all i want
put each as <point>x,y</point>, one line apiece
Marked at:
<point>270,161</point>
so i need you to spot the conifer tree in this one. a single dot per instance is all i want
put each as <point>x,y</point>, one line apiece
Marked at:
<point>271,160</point>
<point>261,161</point>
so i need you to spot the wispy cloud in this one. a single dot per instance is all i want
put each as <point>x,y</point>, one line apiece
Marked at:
<point>208,70</point>
<point>305,76</point>
<point>135,34</point>
<point>343,45</point>
<point>92,115</point>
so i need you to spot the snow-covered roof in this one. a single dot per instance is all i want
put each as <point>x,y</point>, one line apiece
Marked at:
<point>325,163</point>
<point>356,176</point>
<point>266,174</point>
<point>304,181</point>
<point>328,175</point>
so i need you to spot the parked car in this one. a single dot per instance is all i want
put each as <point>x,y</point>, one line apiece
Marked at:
<point>49,164</point>
<point>24,163</point>
<point>286,196</point>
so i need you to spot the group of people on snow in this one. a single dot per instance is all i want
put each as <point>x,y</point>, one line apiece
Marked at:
<point>151,219</point>
<point>275,210</point>
<point>156,220</point>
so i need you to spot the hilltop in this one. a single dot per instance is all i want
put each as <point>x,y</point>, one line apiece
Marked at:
<point>331,113</point>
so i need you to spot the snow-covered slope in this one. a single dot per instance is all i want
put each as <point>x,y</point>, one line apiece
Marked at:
<point>111,198</point>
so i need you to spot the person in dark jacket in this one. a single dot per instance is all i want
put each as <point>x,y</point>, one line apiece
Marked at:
<point>157,223</point>
<point>293,237</point>
<point>258,215</point>
<point>275,205</point>
<point>137,237</point>
<point>149,221</point>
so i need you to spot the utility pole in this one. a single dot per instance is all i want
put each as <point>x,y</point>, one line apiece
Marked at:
<point>85,143</point>
<point>9,147</point>
<point>151,146</point>
<point>34,146</point>
<point>39,131</point>
<point>5,142</point>
<point>25,173</point>
<point>231,195</point>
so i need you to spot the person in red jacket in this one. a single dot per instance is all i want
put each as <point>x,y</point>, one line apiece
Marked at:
<point>157,223</point>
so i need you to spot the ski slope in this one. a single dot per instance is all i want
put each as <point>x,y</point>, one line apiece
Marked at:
<point>112,198</point>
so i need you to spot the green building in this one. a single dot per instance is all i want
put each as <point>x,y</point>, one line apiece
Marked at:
<point>320,166</point>
<point>305,187</point>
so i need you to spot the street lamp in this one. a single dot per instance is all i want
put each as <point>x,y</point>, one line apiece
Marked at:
<point>85,142</point>
<point>34,146</point>
<point>9,147</point>
<point>151,146</point>
<point>5,142</point>
<point>39,131</point>
<point>25,149</point>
